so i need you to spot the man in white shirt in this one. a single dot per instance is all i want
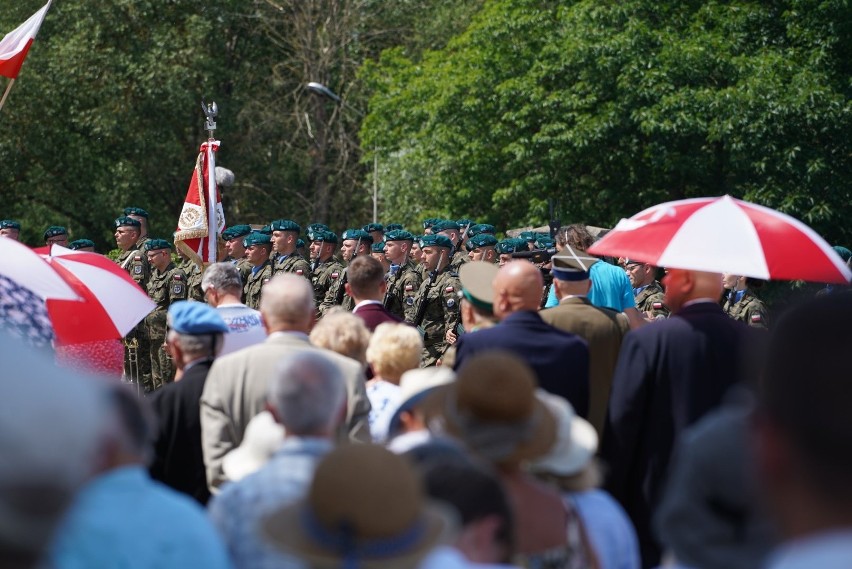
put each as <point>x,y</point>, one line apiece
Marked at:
<point>222,288</point>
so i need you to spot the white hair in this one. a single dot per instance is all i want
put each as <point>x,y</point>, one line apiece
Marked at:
<point>307,393</point>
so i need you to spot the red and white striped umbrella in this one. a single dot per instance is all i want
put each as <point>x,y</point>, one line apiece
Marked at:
<point>725,235</point>
<point>110,305</point>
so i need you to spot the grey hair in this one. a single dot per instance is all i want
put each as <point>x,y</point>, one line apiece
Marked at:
<point>287,298</point>
<point>198,346</point>
<point>222,276</point>
<point>307,393</point>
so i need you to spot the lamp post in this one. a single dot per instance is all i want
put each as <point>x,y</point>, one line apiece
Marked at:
<point>324,91</point>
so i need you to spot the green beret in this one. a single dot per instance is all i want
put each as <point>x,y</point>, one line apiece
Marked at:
<point>482,240</point>
<point>235,232</point>
<point>370,227</point>
<point>157,244</point>
<point>481,228</point>
<point>125,221</point>
<point>54,230</point>
<point>464,222</point>
<point>256,238</point>
<point>511,245</point>
<point>435,241</point>
<point>266,230</point>
<point>394,227</point>
<point>430,221</point>
<point>445,225</point>
<point>545,243</point>
<point>10,224</point>
<point>398,235</point>
<point>80,244</point>
<point>378,247</point>
<point>285,225</point>
<point>528,235</point>
<point>357,235</point>
<point>136,211</point>
<point>313,228</point>
<point>324,236</point>
<point>844,253</point>
<point>300,243</point>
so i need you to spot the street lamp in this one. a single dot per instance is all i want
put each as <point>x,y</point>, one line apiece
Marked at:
<point>324,91</point>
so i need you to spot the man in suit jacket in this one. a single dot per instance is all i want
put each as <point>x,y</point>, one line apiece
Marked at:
<point>559,359</point>
<point>195,335</point>
<point>367,286</point>
<point>236,387</point>
<point>602,328</point>
<point>668,375</point>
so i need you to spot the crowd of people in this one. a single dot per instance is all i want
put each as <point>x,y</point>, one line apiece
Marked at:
<point>440,400</point>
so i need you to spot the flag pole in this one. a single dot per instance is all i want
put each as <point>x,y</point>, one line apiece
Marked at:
<point>210,111</point>
<point>6,93</point>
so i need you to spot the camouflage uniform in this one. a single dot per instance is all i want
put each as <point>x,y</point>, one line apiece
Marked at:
<point>136,343</point>
<point>324,277</point>
<point>441,314</point>
<point>164,289</point>
<point>254,283</point>
<point>330,300</point>
<point>292,263</point>
<point>460,257</point>
<point>651,300</point>
<point>402,288</point>
<point>749,309</point>
<point>193,281</point>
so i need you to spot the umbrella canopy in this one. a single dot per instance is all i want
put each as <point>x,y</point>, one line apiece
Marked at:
<point>725,235</point>
<point>26,268</point>
<point>110,305</point>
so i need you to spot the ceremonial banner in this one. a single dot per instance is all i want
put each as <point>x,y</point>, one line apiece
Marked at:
<point>15,45</point>
<point>202,218</point>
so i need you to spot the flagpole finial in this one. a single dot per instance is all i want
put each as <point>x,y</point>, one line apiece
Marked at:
<point>210,111</point>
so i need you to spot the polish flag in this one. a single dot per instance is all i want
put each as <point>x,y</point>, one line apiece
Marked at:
<point>202,219</point>
<point>15,45</point>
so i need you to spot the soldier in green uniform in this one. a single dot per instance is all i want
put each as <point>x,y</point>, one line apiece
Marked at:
<point>404,277</point>
<point>82,245</point>
<point>285,234</point>
<point>56,235</point>
<point>482,248</point>
<point>480,228</point>
<point>506,247</point>
<point>326,268</point>
<point>416,256</point>
<point>141,216</point>
<point>10,229</point>
<point>377,251</point>
<point>428,223</point>
<point>355,242</point>
<point>128,237</point>
<point>464,226</point>
<point>233,237</point>
<point>646,290</point>
<point>741,303</point>
<point>258,249</point>
<point>166,286</point>
<point>193,276</point>
<point>376,231</point>
<point>450,229</point>
<point>437,303</point>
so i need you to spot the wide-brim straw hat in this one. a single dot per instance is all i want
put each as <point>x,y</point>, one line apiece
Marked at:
<point>493,408</point>
<point>366,509</point>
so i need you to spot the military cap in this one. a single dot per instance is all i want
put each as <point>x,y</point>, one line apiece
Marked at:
<point>136,211</point>
<point>10,224</point>
<point>435,241</point>
<point>511,245</point>
<point>357,235</point>
<point>445,225</point>
<point>398,235</point>
<point>300,243</point>
<point>544,243</point>
<point>125,221</point>
<point>482,240</point>
<point>256,238</point>
<point>481,228</point>
<point>844,253</point>
<point>157,244</point>
<point>313,228</point>
<point>394,227</point>
<point>265,230</point>
<point>235,232</point>
<point>476,278</point>
<point>54,230</point>
<point>81,244</point>
<point>528,235</point>
<point>373,227</point>
<point>323,235</point>
<point>194,318</point>
<point>464,222</point>
<point>285,225</point>
<point>378,247</point>
<point>570,265</point>
<point>430,221</point>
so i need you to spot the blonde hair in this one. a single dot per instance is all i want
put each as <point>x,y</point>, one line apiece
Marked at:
<point>394,349</point>
<point>342,332</point>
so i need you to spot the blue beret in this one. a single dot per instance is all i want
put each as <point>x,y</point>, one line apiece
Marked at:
<point>188,317</point>
<point>256,238</point>
<point>136,211</point>
<point>435,241</point>
<point>373,227</point>
<point>481,240</point>
<point>285,225</point>
<point>157,244</point>
<point>55,230</point>
<point>394,227</point>
<point>398,235</point>
<point>10,224</point>
<point>81,243</point>
<point>235,232</point>
<point>481,228</point>
<point>125,221</point>
<point>357,235</point>
<point>445,225</point>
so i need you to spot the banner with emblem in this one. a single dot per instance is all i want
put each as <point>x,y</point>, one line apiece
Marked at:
<point>202,219</point>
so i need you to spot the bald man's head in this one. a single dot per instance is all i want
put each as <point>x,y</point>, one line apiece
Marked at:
<point>683,285</point>
<point>517,286</point>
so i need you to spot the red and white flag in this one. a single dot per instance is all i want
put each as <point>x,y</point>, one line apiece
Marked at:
<point>16,44</point>
<point>202,218</point>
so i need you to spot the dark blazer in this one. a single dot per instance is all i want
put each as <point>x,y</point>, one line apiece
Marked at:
<point>559,359</point>
<point>669,374</point>
<point>178,461</point>
<point>375,314</point>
